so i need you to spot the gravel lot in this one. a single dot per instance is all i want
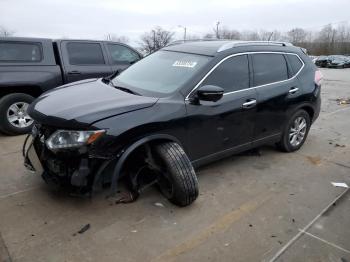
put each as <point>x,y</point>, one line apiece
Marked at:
<point>251,207</point>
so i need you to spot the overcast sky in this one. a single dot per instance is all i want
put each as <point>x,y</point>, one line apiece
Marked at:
<point>94,19</point>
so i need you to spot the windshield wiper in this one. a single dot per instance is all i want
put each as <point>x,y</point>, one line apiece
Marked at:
<point>124,89</point>
<point>108,79</point>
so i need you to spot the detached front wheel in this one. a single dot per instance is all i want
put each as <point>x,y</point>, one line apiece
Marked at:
<point>177,180</point>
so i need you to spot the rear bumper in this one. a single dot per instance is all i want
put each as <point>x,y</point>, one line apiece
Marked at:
<point>317,107</point>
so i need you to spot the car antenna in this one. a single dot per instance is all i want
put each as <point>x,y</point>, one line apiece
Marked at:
<point>270,36</point>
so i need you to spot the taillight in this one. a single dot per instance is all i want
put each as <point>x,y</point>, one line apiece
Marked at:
<point>318,77</point>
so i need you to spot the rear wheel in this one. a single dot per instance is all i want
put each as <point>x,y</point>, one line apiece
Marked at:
<point>177,180</point>
<point>14,119</point>
<point>295,132</point>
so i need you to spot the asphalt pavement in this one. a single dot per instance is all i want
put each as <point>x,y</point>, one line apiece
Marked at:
<point>270,206</point>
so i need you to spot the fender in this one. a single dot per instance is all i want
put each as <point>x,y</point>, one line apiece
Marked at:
<point>125,153</point>
<point>309,107</point>
<point>293,109</point>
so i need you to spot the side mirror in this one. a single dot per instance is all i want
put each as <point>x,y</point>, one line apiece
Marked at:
<point>210,93</point>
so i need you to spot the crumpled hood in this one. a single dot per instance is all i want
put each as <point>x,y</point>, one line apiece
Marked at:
<point>80,104</point>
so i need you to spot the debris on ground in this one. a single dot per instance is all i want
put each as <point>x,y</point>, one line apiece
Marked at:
<point>338,145</point>
<point>83,229</point>
<point>227,244</point>
<point>339,184</point>
<point>133,231</point>
<point>250,225</point>
<point>343,101</point>
<point>125,197</point>
<point>157,204</point>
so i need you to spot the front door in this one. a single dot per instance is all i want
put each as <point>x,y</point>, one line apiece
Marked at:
<point>228,124</point>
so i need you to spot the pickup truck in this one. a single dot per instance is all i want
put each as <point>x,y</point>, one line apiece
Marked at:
<point>31,66</point>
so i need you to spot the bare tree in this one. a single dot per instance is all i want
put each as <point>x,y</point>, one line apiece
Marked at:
<point>329,40</point>
<point>250,36</point>
<point>5,32</point>
<point>209,36</point>
<point>117,38</point>
<point>297,35</point>
<point>156,39</point>
<point>229,34</point>
<point>192,37</point>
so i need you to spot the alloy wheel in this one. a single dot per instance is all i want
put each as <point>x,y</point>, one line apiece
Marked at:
<point>297,131</point>
<point>17,115</point>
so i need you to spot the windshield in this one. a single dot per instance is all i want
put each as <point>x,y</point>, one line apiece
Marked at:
<point>161,73</point>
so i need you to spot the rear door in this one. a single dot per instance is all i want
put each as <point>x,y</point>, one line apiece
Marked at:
<point>121,56</point>
<point>277,88</point>
<point>227,124</point>
<point>84,59</point>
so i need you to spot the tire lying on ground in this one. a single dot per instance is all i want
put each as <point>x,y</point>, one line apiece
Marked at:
<point>178,181</point>
<point>14,119</point>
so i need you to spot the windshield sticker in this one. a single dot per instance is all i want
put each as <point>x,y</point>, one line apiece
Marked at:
<point>189,64</point>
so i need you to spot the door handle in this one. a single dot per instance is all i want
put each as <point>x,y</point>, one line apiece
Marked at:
<point>293,90</point>
<point>75,72</point>
<point>249,104</point>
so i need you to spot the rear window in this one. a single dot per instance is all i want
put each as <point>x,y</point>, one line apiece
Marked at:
<point>269,68</point>
<point>85,53</point>
<point>295,63</point>
<point>20,52</point>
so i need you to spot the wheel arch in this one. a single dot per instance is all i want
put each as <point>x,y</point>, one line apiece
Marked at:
<point>32,90</point>
<point>132,147</point>
<point>310,111</point>
<point>307,107</point>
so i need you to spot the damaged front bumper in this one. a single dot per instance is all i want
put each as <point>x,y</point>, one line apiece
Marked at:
<point>78,170</point>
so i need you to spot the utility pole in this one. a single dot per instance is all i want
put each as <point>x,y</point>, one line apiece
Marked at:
<point>185,31</point>
<point>154,40</point>
<point>217,30</point>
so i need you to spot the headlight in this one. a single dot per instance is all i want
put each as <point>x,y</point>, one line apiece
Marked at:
<point>62,139</point>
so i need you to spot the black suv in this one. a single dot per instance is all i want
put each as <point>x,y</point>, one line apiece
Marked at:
<point>179,108</point>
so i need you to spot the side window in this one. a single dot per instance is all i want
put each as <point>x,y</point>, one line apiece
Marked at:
<point>295,63</point>
<point>121,54</point>
<point>231,75</point>
<point>269,68</point>
<point>85,53</point>
<point>20,52</point>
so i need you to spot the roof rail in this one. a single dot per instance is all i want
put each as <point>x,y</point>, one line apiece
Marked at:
<point>177,42</point>
<point>242,43</point>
